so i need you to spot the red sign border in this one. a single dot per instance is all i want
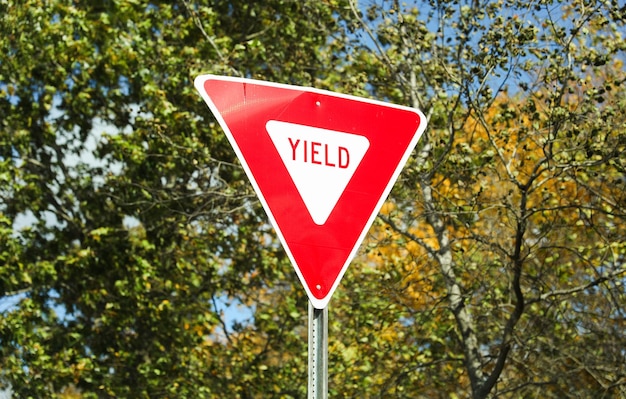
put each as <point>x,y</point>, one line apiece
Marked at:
<point>318,303</point>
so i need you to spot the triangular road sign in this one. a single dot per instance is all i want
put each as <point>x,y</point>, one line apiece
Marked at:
<point>321,163</point>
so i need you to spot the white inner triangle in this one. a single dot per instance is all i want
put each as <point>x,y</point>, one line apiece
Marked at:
<point>321,162</point>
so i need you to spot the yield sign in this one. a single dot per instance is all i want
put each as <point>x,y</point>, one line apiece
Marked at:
<point>321,163</point>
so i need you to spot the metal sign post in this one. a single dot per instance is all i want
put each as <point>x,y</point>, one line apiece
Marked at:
<point>318,353</point>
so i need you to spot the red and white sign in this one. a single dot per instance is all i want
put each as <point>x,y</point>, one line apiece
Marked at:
<point>321,163</point>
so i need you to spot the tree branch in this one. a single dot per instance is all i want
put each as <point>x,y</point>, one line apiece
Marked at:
<point>604,278</point>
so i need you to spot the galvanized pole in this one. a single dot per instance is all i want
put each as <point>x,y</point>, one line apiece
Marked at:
<point>318,353</point>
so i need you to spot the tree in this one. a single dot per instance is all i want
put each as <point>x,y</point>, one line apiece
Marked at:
<point>512,211</point>
<point>125,220</point>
